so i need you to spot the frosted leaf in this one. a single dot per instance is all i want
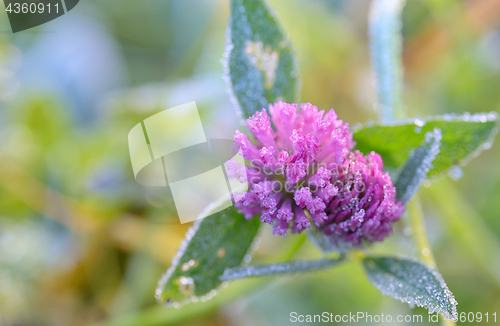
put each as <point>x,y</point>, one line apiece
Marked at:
<point>260,66</point>
<point>219,241</point>
<point>412,282</point>
<point>417,166</point>
<point>463,138</point>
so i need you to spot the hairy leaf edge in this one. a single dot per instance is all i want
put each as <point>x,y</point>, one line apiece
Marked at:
<point>434,272</point>
<point>228,48</point>
<point>191,232</point>
<point>451,117</point>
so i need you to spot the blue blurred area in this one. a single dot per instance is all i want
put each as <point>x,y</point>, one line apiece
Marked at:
<point>77,60</point>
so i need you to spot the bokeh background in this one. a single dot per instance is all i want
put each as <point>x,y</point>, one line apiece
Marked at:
<point>81,243</point>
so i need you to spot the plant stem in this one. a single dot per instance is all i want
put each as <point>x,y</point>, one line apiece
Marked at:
<point>300,239</point>
<point>231,274</point>
<point>386,44</point>
<point>417,224</point>
<point>416,219</point>
<point>385,51</point>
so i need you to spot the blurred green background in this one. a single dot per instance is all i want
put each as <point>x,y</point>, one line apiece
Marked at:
<point>81,243</point>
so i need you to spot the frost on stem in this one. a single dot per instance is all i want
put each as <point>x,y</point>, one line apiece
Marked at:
<point>278,269</point>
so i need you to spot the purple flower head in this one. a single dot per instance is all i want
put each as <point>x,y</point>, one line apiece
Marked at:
<point>365,208</point>
<point>305,172</point>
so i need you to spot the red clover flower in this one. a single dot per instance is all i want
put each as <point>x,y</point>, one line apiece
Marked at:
<point>306,171</point>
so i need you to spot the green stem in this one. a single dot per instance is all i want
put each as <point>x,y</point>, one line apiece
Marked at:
<point>300,239</point>
<point>386,48</point>
<point>416,219</point>
<point>417,224</point>
<point>386,45</point>
<point>288,268</point>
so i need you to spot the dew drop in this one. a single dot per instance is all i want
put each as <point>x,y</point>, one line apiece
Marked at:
<point>247,258</point>
<point>188,265</point>
<point>420,122</point>
<point>492,116</point>
<point>186,285</point>
<point>455,173</point>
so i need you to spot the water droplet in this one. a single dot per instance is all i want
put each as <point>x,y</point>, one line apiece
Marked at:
<point>420,122</point>
<point>186,285</point>
<point>247,258</point>
<point>455,173</point>
<point>188,265</point>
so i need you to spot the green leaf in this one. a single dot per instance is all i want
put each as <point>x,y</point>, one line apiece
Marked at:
<point>418,165</point>
<point>464,137</point>
<point>217,242</point>
<point>413,282</point>
<point>386,47</point>
<point>259,62</point>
